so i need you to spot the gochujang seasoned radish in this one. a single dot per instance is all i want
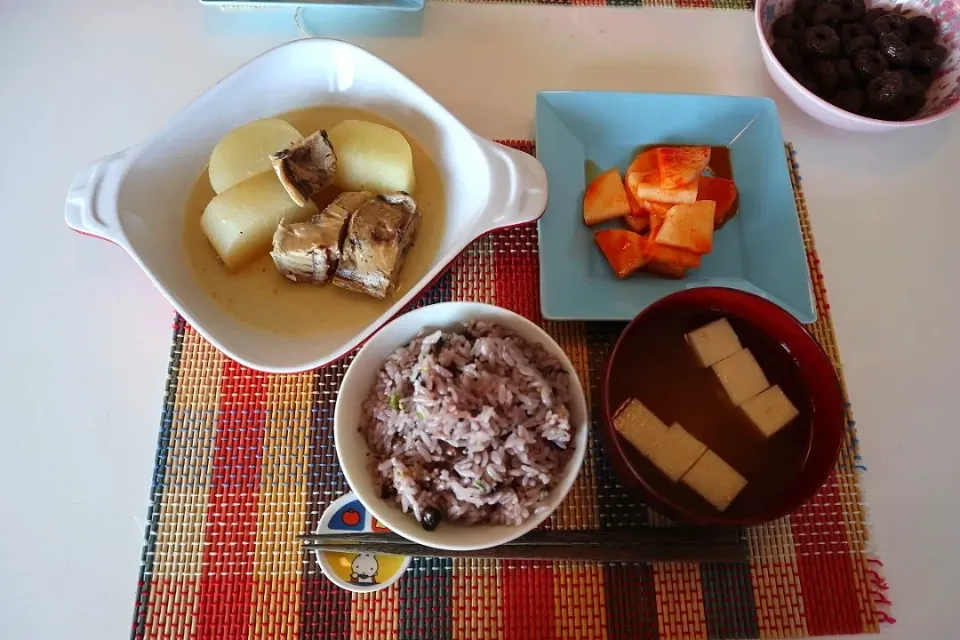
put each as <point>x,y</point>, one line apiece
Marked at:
<point>673,198</point>
<point>624,250</point>
<point>605,198</point>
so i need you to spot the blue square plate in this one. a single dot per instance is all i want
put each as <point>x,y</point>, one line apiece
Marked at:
<point>760,250</point>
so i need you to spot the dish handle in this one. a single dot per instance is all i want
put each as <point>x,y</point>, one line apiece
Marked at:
<point>525,185</point>
<point>91,206</point>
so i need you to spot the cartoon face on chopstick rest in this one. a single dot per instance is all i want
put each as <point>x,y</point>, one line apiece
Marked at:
<point>358,572</point>
<point>364,569</point>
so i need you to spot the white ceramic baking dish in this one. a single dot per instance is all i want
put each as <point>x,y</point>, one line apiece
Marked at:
<point>136,198</point>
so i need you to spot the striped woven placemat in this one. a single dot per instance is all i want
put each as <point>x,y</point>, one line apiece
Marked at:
<point>246,464</point>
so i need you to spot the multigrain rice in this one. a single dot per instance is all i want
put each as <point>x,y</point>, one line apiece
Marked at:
<point>474,423</point>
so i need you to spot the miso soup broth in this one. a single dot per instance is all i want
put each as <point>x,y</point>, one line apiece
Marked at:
<point>662,372</point>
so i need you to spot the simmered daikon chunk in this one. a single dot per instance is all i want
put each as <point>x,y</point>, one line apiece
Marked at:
<point>241,221</point>
<point>372,157</point>
<point>245,151</point>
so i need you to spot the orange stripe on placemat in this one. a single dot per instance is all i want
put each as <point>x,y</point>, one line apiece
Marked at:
<point>283,506</point>
<point>871,594</point>
<point>855,522</point>
<point>477,600</point>
<point>580,509</point>
<point>226,587</point>
<point>823,560</point>
<point>579,601</point>
<point>175,584</point>
<point>375,616</point>
<point>173,608</point>
<point>776,580</point>
<point>473,272</point>
<point>776,591</point>
<point>516,271</point>
<point>528,600</point>
<point>857,537</point>
<point>679,600</point>
<point>178,549</point>
<point>275,608</point>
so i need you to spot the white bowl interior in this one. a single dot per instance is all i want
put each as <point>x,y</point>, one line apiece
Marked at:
<point>354,454</point>
<point>305,73</point>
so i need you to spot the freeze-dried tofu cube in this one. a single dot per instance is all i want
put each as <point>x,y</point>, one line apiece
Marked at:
<point>714,342</point>
<point>639,426</point>
<point>741,376</point>
<point>676,452</point>
<point>715,480</point>
<point>770,411</point>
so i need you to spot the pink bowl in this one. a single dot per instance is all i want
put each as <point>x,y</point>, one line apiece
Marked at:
<point>943,96</point>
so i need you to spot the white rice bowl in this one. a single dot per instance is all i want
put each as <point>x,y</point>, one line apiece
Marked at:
<point>465,408</point>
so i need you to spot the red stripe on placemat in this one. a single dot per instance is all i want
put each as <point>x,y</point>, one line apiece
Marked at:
<point>226,586</point>
<point>516,267</point>
<point>528,601</point>
<point>823,561</point>
<point>516,271</point>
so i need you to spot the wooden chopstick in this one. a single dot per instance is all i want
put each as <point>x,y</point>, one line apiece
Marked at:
<point>634,545</point>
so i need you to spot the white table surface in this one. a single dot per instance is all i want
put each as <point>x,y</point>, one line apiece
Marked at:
<point>84,338</point>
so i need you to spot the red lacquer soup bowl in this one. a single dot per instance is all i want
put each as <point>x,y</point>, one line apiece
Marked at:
<point>653,363</point>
